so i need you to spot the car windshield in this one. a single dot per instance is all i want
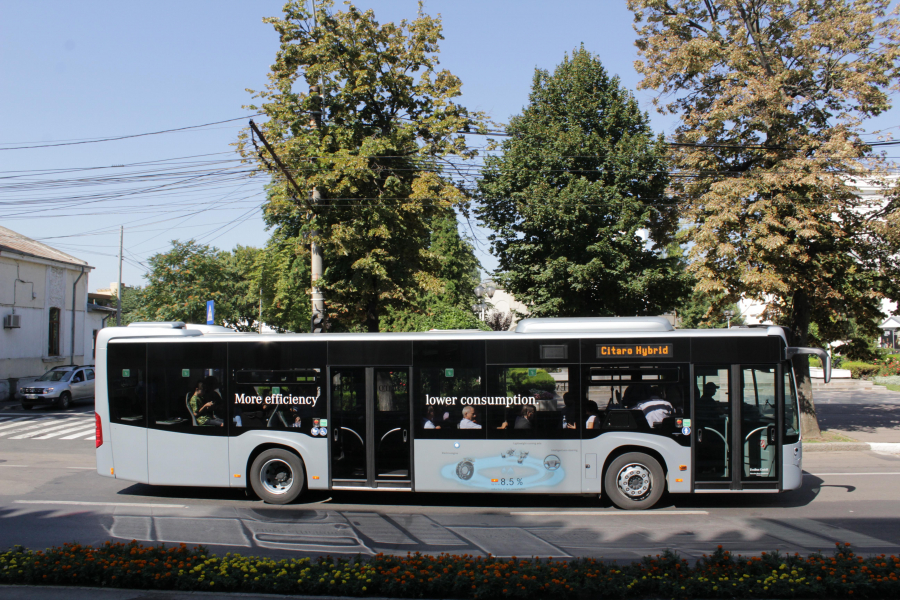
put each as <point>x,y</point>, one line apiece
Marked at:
<point>55,376</point>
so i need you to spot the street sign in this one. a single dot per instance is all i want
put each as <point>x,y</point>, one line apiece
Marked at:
<point>210,312</point>
<point>448,372</point>
<point>532,372</point>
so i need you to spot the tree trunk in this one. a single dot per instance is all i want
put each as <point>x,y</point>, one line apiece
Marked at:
<point>372,319</point>
<point>385,388</point>
<point>800,318</point>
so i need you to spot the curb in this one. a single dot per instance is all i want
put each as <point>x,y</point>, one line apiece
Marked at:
<point>880,448</point>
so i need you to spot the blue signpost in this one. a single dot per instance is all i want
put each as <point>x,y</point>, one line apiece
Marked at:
<point>210,312</point>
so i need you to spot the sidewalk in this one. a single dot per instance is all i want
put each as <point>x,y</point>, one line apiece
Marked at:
<point>869,417</point>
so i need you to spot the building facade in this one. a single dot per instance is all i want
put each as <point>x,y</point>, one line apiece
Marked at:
<point>43,301</point>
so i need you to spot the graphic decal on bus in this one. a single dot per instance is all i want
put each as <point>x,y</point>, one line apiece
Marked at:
<point>517,400</point>
<point>511,470</point>
<point>278,399</point>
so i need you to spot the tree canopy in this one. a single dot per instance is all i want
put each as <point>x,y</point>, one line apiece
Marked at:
<point>569,200</point>
<point>771,96</point>
<point>182,280</point>
<point>389,128</point>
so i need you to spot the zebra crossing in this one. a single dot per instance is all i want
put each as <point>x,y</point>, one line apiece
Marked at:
<point>59,427</point>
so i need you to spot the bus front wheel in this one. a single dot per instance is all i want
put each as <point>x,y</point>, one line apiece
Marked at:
<point>277,476</point>
<point>634,481</point>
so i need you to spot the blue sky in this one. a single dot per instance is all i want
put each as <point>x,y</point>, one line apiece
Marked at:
<point>85,70</point>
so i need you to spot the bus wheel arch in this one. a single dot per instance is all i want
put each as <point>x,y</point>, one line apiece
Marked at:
<point>276,473</point>
<point>634,477</point>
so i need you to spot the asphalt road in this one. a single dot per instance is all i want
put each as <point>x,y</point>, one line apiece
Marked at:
<point>50,494</point>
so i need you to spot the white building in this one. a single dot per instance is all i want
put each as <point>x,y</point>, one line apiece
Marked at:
<point>43,301</point>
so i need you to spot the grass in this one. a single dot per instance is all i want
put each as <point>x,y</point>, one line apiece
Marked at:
<point>829,437</point>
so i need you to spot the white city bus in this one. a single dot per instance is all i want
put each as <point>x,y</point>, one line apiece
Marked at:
<point>627,407</point>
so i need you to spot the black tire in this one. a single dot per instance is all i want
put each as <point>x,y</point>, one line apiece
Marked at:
<point>277,476</point>
<point>27,406</point>
<point>642,481</point>
<point>65,400</point>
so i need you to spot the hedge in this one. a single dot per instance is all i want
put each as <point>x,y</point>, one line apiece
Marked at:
<point>719,575</point>
<point>860,370</point>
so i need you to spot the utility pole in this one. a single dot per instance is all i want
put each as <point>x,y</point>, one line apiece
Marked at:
<point>119,288</point>
<point>317,324</point>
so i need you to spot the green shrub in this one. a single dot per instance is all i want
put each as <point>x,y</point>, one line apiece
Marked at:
<point>860,370</point>
<point>815,362</point>
<point>717,575</point>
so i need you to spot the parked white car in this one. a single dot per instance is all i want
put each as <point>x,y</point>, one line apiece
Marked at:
<point>60,386</point>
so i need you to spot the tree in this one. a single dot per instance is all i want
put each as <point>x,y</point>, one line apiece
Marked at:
<point>772,95</point>
<point>458,271</point>
<point>181,281</point>
<point>578,181</point>
<point>389,127</point>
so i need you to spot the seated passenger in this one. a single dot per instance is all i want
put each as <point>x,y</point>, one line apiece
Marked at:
<point>526,419</point>
<point>468,419</point>
<point>570,416</point>
<point>428,419</point>
<point>655,407</point>
<point>593,412</point>
<point>203,410</point>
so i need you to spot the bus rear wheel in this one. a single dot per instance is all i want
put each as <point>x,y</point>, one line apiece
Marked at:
<point>277,476</point>
<point>634,481</point>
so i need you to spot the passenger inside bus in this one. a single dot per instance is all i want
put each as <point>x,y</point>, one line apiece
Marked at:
<point>468,419</point>
<point>202,409</point>
<point>655,407</point>
<point>593,415</point>
<point>428,419</point>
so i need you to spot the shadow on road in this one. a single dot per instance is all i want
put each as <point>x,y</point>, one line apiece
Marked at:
<point>360,500</point>
<point>860,418</point>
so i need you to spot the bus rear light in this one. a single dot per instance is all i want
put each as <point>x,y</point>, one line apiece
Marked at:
<point>315,476</point>
<point>682,467</point>
<point>98,431</point>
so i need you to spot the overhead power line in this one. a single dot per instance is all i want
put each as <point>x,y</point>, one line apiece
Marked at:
<point>125,137</point>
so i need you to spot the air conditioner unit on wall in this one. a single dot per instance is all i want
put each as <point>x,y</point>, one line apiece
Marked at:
<point>12,321</point>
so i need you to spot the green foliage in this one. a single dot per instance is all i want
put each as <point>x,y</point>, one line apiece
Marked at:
<point>520,382</point>
<point>389,125</point>
<point>859,369</point>
<point>720,574</point>
<point>181,280</point>
<point>578,180</point>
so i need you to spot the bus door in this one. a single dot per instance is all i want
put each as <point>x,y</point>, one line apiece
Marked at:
<point>737,424</point>
<point>370,427</point>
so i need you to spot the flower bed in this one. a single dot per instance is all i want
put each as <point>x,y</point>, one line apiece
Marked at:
<point>720,575</point>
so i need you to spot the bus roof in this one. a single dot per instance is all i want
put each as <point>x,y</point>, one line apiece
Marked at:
<point>557,328</point>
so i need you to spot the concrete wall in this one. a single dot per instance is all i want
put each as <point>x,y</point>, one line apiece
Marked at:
<point>32,286</point>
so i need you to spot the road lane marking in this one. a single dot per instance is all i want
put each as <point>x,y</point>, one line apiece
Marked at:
<point>81,432</point>
<point>595,513</point>
<point>14,466</point>
<point>32,426</point>
<point>66,426</point>
<point>13,422</point>
<point>46,434</point>
<point>78,503</point>
<point>856,473</point>
<point>86,468</point>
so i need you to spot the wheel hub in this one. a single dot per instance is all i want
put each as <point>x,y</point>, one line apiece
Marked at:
<point>634,481</point>
<point>276,476</point>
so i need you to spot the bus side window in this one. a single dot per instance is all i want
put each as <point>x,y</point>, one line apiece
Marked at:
<point>531,403</point>
<point>448,403</point>
<point>126,384</point>
<point>185,388</point>
<point>286,399</point>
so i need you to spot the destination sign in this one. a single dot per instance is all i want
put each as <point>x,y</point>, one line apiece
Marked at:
<point>613,351</point>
